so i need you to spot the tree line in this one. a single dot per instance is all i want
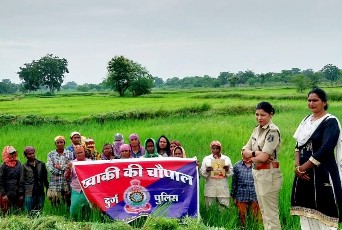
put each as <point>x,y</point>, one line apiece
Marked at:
<point>126,76</point>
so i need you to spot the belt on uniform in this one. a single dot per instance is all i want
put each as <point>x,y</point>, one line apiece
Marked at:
<point>260,166</point>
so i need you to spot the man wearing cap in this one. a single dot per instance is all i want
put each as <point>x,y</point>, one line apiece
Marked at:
<point>75,138</point>
<point>57,163</point>
<point>9,180</point>
<point>33,179</point>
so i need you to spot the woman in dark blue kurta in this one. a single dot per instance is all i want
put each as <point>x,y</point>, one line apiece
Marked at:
<point>317,192</point>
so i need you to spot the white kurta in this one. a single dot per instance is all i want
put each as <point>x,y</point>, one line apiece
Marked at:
<point>216,187</point>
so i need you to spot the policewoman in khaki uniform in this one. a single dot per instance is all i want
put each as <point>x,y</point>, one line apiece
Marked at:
<point>263,147</point>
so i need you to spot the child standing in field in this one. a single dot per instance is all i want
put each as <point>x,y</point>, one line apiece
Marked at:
<point>216,177</point>
<point>243,190</point>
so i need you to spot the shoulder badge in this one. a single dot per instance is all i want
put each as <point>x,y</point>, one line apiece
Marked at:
<point>270,138</point>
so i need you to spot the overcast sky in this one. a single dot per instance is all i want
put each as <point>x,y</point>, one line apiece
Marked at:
<point>174,38</point>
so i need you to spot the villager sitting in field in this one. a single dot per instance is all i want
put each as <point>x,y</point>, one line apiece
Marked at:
<point>136,149</point>
<point>118,141</point>
<point>216,167</point>
<point>125,151</point>
<point>179,152</point>
<point>163,146</point>
<point>9,180</point>
<point>75,138</point>
<point>91,152</point>
<point>33,179</point>
<point>107,152</point>
<point>173,145</point>
<point>78,199</point>
<point>150,148</point>
<point>243,190</point>
<point>57,163</point>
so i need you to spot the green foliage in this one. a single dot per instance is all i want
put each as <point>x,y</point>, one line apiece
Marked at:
<point>331,72</point>
<point>7,87</point>
<point>10,119</point>
<point>233,80</point>
<point>162,224</point>
<point>141,86</point>
<point>123,74</point>
<point>56,223</point>
<point>301,82</point>
<point>48,71</point>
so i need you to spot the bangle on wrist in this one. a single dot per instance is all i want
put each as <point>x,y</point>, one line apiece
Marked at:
<point>253,153</point>
<point>297,168</point>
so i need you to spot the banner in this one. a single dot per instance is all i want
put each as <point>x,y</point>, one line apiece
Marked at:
<point>126,189</point>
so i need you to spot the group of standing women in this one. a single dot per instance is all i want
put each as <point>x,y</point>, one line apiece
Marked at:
<point>317,192</point>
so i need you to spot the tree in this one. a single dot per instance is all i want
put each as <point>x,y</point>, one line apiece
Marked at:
<point>233,80</point>
<point>331,72</point>
<point>313,77</point>
<point>244,76</point>
<point>301,81</point>
<point>158,82</point>
<point>70,85</point>
<point>7,87</point>
<point>30,76</point>
<point>122,72</point>
<point>223,77</point>
<point>142,85</point>
<point>48,71</point>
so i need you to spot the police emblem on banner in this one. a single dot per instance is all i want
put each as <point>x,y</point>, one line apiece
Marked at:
<point>136,198</point>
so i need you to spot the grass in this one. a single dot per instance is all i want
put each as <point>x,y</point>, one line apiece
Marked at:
<point>229,120</point>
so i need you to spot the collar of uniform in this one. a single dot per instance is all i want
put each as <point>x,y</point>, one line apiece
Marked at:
<point>266,126</point>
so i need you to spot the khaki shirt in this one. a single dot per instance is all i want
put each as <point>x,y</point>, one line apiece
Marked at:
<point>265,139</point>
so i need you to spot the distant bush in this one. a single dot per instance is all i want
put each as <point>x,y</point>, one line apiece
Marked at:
<point>32,119</point>
<point>142,115</point>
<point>205,108</point>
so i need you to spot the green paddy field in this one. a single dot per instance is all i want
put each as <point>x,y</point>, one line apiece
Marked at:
<point>194,117</point>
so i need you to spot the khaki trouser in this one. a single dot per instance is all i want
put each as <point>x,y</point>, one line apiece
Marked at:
<point>267,184</point>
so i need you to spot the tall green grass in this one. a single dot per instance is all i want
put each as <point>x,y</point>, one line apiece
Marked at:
<point>229,120</point>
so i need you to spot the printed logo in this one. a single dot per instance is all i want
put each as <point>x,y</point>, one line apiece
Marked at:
<point>136,198</point>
